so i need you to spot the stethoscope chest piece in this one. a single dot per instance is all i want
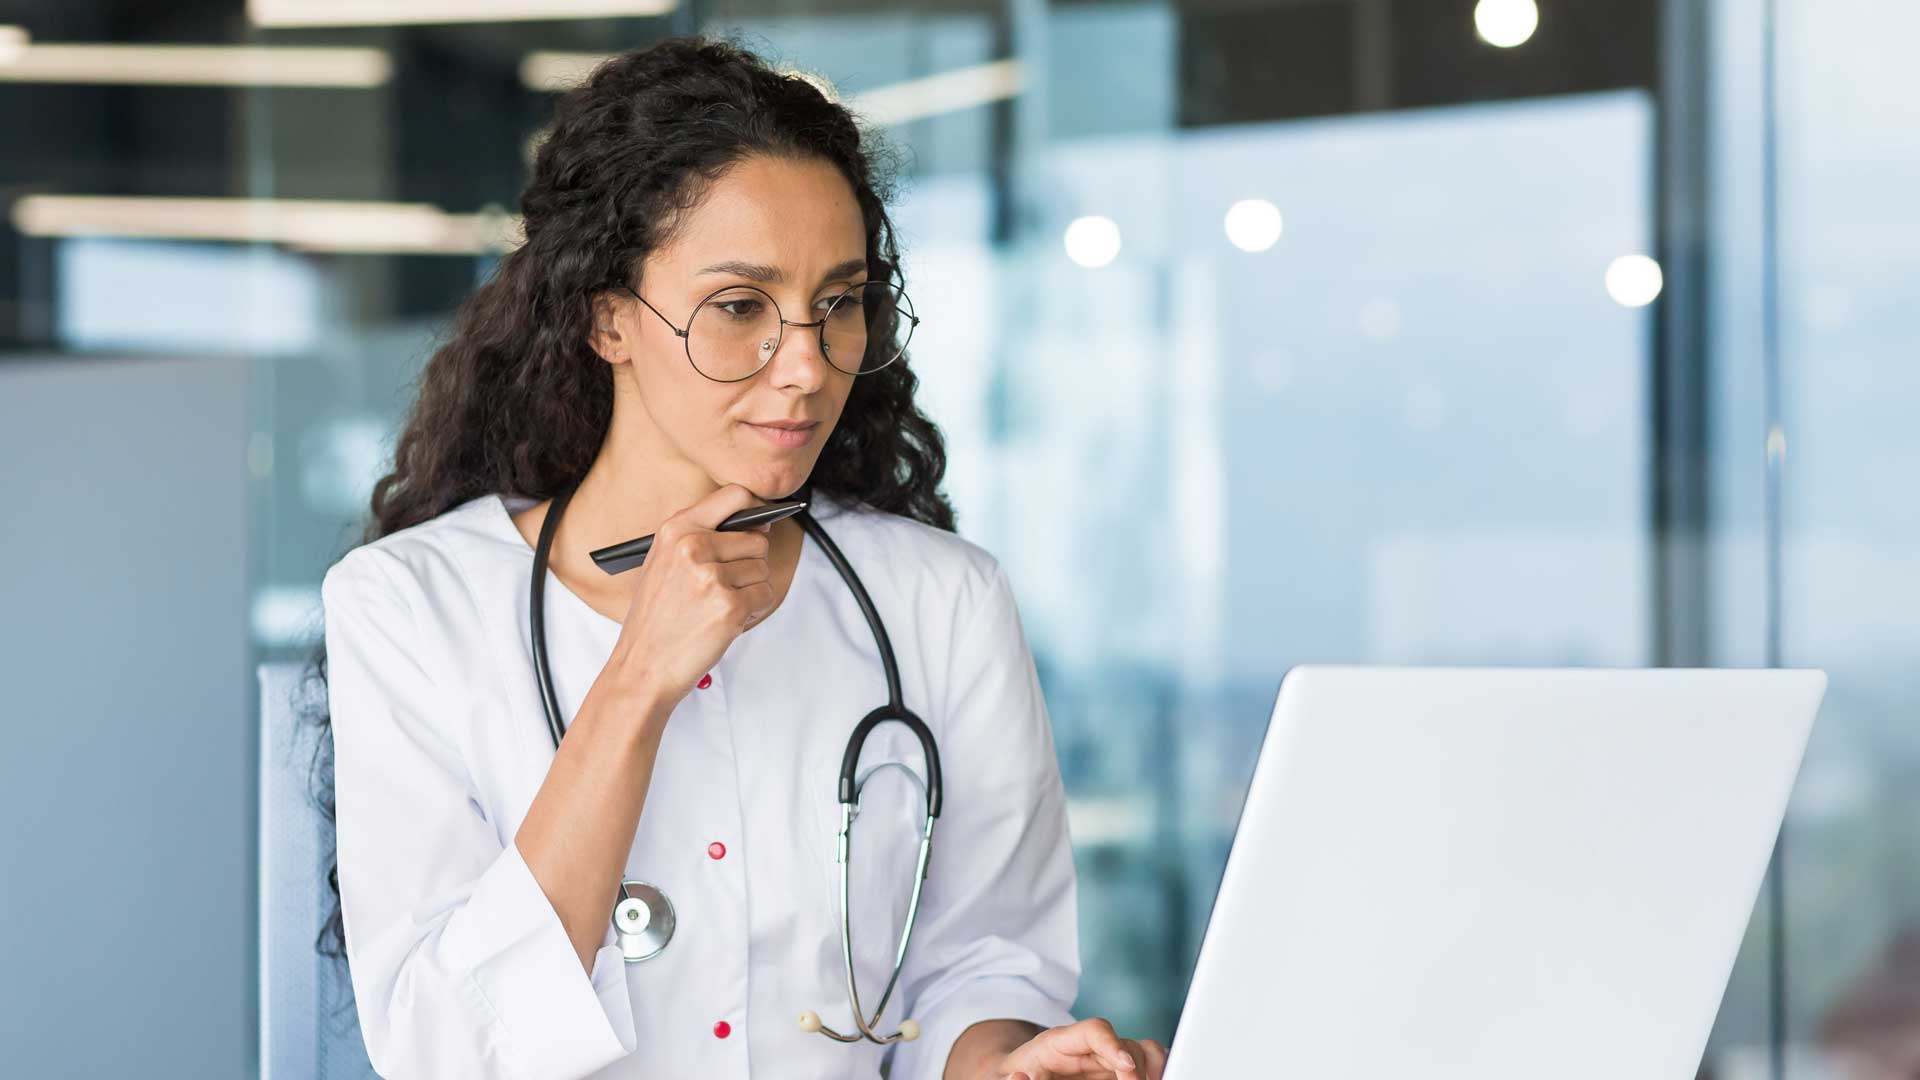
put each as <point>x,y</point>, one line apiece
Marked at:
<point>642,921</point>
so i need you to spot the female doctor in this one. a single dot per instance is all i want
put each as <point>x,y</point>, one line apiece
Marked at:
<point>689,198</point>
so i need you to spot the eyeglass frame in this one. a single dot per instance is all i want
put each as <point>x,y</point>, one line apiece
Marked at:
<point>819,325</point>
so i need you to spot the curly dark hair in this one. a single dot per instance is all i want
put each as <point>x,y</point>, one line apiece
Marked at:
<point>517,401</point>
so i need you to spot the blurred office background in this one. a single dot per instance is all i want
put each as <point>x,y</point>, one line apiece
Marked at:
<point>1508,332</point>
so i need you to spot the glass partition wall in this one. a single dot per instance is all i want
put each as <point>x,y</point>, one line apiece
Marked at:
<point>1329,347</point>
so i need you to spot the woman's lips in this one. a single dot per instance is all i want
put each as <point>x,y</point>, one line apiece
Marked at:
<point>786,438</point>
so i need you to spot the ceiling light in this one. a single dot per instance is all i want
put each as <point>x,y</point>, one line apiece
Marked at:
<point>402,12</point>
<point>1253,224</point>
<point>13,42</point>
<point>305,224</point>
<point>1092,241</point>
<point>197,65</point>
<point>1506,23</point>
<point>949,91</point>
<point>1634,280</point>
<point>895,103</point>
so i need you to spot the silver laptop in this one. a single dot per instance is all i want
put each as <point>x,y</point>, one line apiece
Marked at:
<point>1471,874</point>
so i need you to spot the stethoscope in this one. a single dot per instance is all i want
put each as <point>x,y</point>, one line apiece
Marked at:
<point>643,918</point>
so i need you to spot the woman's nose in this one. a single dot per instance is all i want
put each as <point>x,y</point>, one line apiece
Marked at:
<point>798,361</point>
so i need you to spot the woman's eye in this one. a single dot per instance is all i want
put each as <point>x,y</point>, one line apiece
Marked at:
<point>842,305</point>
<point>740,309</point>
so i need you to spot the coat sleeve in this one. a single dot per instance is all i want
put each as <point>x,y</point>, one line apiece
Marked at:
<point>1000,935</point>
<point>459,963</point>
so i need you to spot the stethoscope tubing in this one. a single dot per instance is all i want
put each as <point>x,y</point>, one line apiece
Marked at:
<point>537,616</point>
<point>849,788</point>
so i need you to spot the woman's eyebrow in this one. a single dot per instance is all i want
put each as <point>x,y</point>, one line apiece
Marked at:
<point>764,273</point>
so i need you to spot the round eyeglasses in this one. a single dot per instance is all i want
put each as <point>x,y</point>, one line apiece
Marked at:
<point>736,330</point>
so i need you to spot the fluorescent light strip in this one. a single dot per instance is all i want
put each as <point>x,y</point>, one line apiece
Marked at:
<point>198,65</point>
<point>404,12</point>
<point>949,91</point>
<point>13,42</point>
<point>914,99</point>
<point>553,72</point>
<point>305,224</point>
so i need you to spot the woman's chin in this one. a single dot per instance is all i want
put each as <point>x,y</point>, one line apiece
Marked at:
<point>773,481</point>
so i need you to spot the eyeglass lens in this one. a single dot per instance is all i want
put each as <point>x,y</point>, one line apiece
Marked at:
<point>736,331</point>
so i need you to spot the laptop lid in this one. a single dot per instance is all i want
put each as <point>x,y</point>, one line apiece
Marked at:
<point>1483,873</point>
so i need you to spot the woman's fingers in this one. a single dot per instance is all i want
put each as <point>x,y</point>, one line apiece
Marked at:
<point>741,573</point>
<point>1155,1059</point>
<point>757,600</point>
<point>730,546</point>
<point>717,506</point>
<point>1088,1048</point>
<point>1150,1058</point>
<point>741,544</point>
<point>1111,1047</point>
<point>1093,1036</point>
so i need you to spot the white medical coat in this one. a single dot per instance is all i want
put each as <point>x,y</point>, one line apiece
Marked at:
<point>459,963</point>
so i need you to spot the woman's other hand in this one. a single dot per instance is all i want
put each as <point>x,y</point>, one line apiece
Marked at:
<point>1087,1048</point>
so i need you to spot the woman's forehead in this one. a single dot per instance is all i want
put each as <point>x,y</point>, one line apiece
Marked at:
<point>796,217</point>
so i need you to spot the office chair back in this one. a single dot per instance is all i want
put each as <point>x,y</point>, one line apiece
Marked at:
<point>309,1028</point>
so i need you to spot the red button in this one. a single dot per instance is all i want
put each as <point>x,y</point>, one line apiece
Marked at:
<point>716,850</point>
<point>722,1029</point>
<point>706,681</point>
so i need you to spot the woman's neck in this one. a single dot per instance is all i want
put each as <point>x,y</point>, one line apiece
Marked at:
<point>615,504</point>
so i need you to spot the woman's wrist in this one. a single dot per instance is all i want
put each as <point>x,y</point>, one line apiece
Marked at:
<point>983,1044</point>
<point>627,693</point>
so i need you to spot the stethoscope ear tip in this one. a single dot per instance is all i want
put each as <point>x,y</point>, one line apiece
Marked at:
<point>909,1029</point>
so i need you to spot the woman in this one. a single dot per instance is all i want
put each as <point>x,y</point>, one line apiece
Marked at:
<point>708,694</point>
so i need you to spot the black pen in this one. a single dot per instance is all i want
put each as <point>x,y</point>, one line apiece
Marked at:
<point>629,554</point>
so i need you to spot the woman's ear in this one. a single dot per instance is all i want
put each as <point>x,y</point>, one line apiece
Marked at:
<point>606,337</point>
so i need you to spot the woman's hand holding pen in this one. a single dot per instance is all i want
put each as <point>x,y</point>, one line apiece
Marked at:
<point>699,589</point>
